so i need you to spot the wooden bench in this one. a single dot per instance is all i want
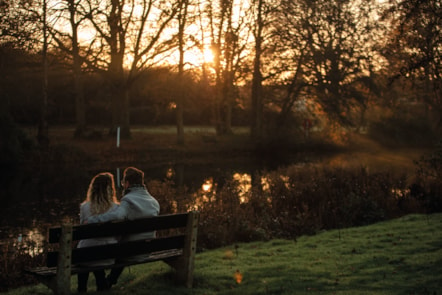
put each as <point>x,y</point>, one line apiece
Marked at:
<point>175,244</point>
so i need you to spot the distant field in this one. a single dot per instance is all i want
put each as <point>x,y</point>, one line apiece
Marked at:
<point>360,151</point>
<point>161,129</point>
<point>187,129</point>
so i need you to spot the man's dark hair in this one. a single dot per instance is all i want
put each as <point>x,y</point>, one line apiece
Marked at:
<point>134,176</point>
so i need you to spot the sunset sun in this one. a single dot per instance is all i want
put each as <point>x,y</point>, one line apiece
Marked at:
<point>197,58</point>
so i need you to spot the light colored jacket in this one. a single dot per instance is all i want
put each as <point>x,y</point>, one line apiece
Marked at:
<point>85,213</point>
<point>137,203</point>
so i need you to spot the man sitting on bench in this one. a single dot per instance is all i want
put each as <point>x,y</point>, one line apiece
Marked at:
<point>137,202</point>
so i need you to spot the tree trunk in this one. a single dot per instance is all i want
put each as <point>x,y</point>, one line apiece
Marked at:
<point>182,15</point>
<point>80,111</point>
<point>125,114</point>
<point>256,129</point>
<point>43,132</point>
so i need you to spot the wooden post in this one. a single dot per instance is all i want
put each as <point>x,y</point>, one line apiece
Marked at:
<point>63,281</point>
<point>186,265</point>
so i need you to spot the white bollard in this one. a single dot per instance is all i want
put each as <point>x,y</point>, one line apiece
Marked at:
<point>118,178</point>
<point>118,136</point>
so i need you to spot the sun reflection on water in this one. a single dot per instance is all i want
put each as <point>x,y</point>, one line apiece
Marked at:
<point>207,185</point>
<point>244,181</point>
<point>206,194</point>
<point>30,242</point>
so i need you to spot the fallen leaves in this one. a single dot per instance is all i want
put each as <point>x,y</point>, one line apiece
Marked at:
<point>238,276</point>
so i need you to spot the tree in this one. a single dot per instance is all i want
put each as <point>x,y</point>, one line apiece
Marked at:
<point>70,11</point>
<point>26,26</point>
<point>129,36</point>
<point>331,43</point>
<point>256,97</point>
<point>182,19</point>
<point>227,21</point>
<point>43,132</point>
<point>415,48</point>
<point>80,110</point>
<point>262,13</point>
<point>17,24</point>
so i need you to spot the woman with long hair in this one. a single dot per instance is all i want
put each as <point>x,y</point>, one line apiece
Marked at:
<point>100,198</point>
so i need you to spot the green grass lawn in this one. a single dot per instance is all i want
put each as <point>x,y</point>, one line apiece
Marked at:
<point>401,256</point>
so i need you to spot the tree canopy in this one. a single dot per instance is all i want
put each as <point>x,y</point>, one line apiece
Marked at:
<point>274,63</point>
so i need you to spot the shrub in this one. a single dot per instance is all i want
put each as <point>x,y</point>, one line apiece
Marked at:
<point>302,200</point>
<point>402,129</point>
<point>427,188</point>
<point>15,149</point>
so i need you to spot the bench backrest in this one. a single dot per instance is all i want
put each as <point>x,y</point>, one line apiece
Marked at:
<point>71,234</point>
<point>119,228</point>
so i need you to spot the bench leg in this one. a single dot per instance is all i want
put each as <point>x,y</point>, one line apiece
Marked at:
<point>185,264</point>
<point>183,269</point>
<point>63,279</point>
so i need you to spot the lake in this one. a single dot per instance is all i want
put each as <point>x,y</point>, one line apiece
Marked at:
<point>39,198</point>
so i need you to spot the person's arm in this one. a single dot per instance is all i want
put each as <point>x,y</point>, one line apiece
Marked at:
<point>84,209</point>
<point>119,213</point>
<point>82,219</point>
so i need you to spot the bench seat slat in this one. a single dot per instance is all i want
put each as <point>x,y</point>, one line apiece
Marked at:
<point>120,250</point>
<point>155,256</point>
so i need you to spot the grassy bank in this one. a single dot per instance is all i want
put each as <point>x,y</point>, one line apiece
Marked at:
<point>401,256</point>
<point>158,145</point>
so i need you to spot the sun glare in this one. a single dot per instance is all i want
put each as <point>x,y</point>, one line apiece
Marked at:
<point>196,58</point>
<point>208,55</point>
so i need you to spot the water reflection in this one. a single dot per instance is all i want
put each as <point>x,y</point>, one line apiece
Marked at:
<point>207,185</point>
<point>170,173</point>
<point>206,194</point>
<point>54,197</point>
<point>31,242</point>
<point>399,193</point>
<point>243,189</point>
<point>244,182</point>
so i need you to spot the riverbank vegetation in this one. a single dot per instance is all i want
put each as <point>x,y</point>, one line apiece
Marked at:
<point>400,256</point>
<point>329,187</point>
<point>333,107</point>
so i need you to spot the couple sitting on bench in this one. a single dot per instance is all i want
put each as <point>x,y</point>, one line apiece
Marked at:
<point>101,205</point>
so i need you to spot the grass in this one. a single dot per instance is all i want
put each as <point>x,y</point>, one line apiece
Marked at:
<point>154,145</point>
<point>157,145</point>
<point>401,256</point>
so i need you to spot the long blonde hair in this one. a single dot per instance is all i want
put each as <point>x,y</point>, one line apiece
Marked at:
<point>101,193</point>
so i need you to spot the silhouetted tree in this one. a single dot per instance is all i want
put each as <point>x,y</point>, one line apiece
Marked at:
<point>69,43</point>
<point>229,37</point>
<point>332,48</point>
<point>133,34</point>
<point>256,96</point>
<point>414,48</point>
<point>182,20</point>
